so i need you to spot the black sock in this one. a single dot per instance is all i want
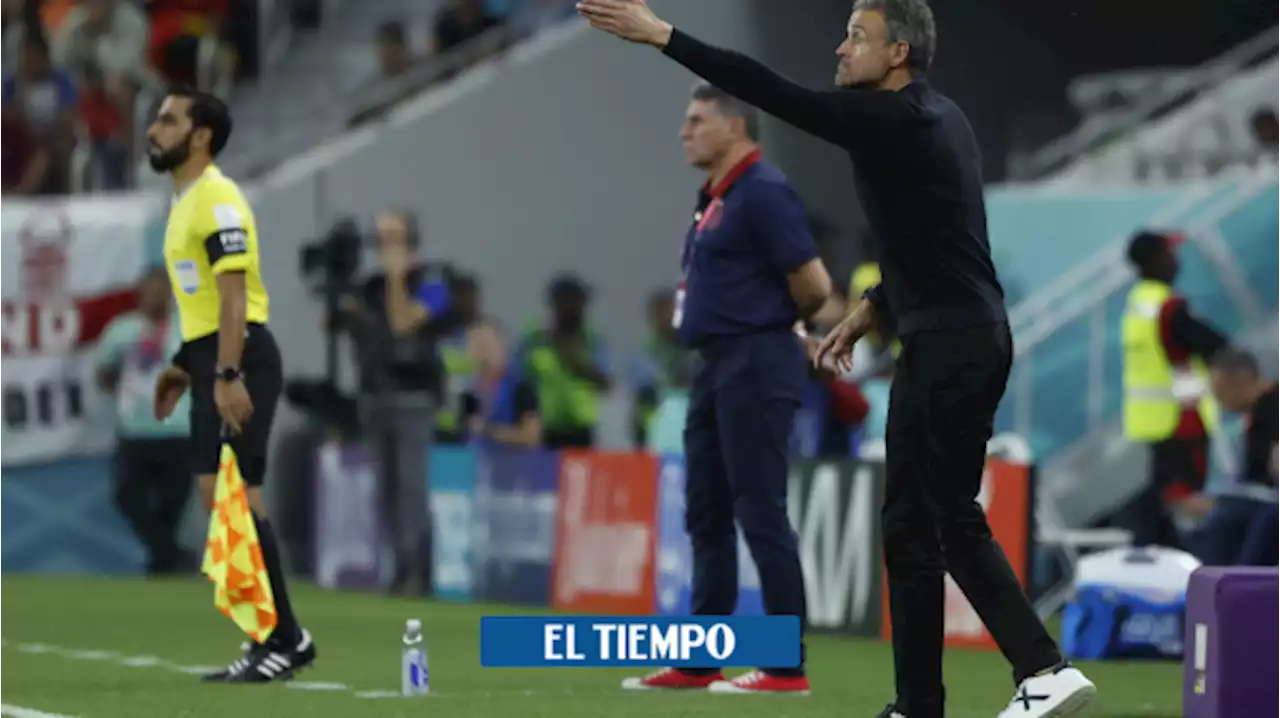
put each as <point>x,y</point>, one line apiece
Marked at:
<point>287,633</point>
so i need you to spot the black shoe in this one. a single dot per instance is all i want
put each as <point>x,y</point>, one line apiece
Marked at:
<point>891,711</point>
<point>273,664</point>
<point>237,666</point>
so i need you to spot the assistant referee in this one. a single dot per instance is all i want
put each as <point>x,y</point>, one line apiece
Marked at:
<point>228,359</point>
<point>917,173</point>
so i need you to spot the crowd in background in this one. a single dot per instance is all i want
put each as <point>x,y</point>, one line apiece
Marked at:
<point>460,22</point>
<point>80,76</point>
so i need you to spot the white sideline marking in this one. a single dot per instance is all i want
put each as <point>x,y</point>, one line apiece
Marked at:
<point>317,686</point>
<point>154,662</point>
<point>20,712</point>
<point>93,655</point>
<point>189,670</point>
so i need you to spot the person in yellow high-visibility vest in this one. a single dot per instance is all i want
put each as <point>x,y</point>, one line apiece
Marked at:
<point>1167,402</point>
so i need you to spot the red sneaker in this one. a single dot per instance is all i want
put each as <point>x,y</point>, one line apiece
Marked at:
<point>761,682</point>
<point>671,679</point>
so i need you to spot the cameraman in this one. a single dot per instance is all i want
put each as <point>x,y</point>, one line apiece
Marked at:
<point>396,323</point>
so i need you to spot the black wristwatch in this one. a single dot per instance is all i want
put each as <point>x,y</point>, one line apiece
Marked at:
<point>229,373</point>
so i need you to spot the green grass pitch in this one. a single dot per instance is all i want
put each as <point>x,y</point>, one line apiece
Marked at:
<point>103,648</point>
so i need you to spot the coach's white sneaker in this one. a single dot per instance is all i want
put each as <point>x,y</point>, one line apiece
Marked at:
<point>1059,692</point>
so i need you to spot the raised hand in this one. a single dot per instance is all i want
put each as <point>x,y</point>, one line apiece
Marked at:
<point>630,20</point>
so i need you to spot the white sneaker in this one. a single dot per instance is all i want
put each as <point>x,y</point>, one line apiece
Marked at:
<point>1060,692</point>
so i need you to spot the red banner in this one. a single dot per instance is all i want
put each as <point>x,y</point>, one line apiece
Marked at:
<point>605,538</point>
<point>1006,498</point>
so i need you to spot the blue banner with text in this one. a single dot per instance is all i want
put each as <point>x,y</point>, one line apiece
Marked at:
<point>515,535</point>
<point>622,641</point>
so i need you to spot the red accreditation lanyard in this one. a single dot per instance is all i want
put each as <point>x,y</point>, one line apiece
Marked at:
<point>708,217</point>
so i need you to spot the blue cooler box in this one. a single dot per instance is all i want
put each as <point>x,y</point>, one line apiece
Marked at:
<point>1128,603</point>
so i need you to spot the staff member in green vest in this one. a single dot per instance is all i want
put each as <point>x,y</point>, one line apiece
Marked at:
<point>664,366</point>
<point>1167,402</point>
<point>569,367</point>
<point>459,364</point>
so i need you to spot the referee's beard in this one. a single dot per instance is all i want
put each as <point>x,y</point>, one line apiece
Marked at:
<point>168,160</point>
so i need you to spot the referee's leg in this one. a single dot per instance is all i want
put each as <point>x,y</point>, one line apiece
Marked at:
<point>264,381</point>
<point>288,646</point>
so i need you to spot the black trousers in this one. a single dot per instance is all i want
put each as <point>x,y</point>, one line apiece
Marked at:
<point>1180,460</point>
<point>152,486</point>
<point>742,406</point>
<point>941,411</point>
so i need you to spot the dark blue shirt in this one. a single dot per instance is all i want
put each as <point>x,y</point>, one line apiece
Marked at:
<point>749,232</point>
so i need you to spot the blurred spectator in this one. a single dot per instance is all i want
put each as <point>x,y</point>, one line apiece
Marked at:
<point>394,56</point>
<point>873,358</point>
<point>14,19</point>
<point>459,363</point>
<point>152,476</point>
<point>830,414</point>
<point>1241,529</point>
<point>24,163</point>
<point>185,41</point>
<point>664,366</point>
<point>500,405</point>
<point>467,304</point>
<point>568,364</point>
<point>43,99</point>
<point>1266,130</point>
<point>460,21</point>
<point>109,36</point>
<point>533,16</point>
<point>103,43</point>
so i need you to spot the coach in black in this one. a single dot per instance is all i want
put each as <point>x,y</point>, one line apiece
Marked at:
<point>916,169</point>
<point>751,269</point>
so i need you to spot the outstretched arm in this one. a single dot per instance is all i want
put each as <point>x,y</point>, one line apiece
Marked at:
<point>829,115</point>
<point>836,115</point>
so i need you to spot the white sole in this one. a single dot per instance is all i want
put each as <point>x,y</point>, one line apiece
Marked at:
<point>637,684</point>
<point>728,688</point>
<point>1075,702</point>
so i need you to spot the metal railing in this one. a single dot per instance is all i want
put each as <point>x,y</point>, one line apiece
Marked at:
<point>1058,154</point>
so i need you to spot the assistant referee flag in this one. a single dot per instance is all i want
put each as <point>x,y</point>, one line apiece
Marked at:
<point>233,556</point>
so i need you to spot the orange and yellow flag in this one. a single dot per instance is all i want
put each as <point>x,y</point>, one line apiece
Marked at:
<point>233,556</point>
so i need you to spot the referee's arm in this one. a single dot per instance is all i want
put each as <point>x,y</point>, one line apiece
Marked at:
<point>841,117</point>
<point>228,251</point>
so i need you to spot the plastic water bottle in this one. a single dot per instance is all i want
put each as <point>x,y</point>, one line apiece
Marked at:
<point>413,661</point>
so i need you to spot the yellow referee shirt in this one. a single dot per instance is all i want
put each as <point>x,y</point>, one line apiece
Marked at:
<point>210,231</point>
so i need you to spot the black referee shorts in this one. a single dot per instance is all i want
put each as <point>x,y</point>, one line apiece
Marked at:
<point>263,377</point>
